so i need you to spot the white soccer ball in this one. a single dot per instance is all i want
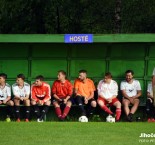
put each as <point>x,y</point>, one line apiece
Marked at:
<point>83,119</point>
<point>110,119</point>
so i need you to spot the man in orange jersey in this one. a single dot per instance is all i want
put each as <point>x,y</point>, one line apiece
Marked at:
<point>62,90</point>
<point>84,91</point>
<point>40,95</point>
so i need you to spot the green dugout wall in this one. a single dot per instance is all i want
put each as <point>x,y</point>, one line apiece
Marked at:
<point>46,54</point>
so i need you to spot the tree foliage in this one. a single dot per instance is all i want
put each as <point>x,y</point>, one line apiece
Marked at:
<point>75,16</point>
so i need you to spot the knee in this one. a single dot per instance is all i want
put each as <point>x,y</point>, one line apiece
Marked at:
<point>93,104</point>
<point>27,102</point>
<point>136,102</point>
<point>100,103</point>
<point>55,104</point>
<point>125,104</point>
<point>48,103</point>
<point>69,103</point>
<point>11,103</point>
<point>118,105</point>
<point>33,103</point>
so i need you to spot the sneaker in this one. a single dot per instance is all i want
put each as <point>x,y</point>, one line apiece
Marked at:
<point>8,119</point>
<point>18,120</point>
<point>26,120</point>
<point>40,120</point>
<point>130,117</point>
<point>152,120</point>
<point>149,120</point>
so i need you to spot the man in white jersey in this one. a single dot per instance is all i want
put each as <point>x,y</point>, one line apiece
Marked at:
<point>21,92</point>
<point>153,84</point>
<point>5,95</point>
<point>150,110</point>
<point>131,91</point>
<point>107,92</point>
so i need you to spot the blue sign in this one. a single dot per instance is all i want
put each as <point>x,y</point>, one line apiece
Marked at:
<point>78,38</point>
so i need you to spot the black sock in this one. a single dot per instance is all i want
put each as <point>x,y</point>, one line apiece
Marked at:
<point>90,110</point>
<point>149,108</point>
<point>17,112</point>
<point>36,110</point>
<point>10,111</point>
<point>80,104</point>
<point>27,116</point>
<point>44,111</point>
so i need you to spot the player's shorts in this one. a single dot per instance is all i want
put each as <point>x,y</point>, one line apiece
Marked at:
<point>82,99</point>
<point>129,100</point>
<point>114,100</point>
<point>60,102</point>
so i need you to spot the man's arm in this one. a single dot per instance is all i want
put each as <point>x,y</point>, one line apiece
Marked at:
<point>48,94</point>
<point>33,95</point>
<point>139,93</point>
<point>125,95</point>
<point>149,95</point>
<point>91,95</point>
<point>6,100</point>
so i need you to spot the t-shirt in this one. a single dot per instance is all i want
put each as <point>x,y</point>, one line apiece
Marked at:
<point>149,89</point>
<point>84,88</point>
<point>5,92</point>
<point>107,90</point>
<point>131,89</point>
<point>62,90</point>
<point>21,92</point>
<point>153,72</point>
<point>42,92</point>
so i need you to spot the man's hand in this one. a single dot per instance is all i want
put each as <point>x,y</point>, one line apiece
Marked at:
<point>109,100</point>
<point>1,102</point>
<point>65,101</point>
<point>4,101</point>
<point>21,98</point>
<point>131,99</point>
<point>40,102</point>
<point>85,100</point>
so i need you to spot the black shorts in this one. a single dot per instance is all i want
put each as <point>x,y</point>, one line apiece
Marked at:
<point>82,99</point>
<point>60,102</point>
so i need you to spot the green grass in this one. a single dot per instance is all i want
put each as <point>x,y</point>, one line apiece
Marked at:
<point>73,133</point>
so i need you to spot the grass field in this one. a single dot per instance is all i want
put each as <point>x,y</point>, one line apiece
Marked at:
<point>75,133</point>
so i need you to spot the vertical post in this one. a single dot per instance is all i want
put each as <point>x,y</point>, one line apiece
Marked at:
<point>117,23</point>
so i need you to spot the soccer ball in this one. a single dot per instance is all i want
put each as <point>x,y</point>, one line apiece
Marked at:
<point>110,119</point>
<point>83,119</point>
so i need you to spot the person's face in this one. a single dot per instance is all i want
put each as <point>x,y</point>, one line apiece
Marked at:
<point>107,79</point>
<point>38,82</point>
<point>19,81</point>
<point>82,76</point>
<point>2,80</point>
<point>61,76</point>
<point>129,77</point>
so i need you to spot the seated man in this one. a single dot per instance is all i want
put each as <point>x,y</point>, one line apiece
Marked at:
<point>84,92</point>
<point>5,95</point>
<point>21,92</point>
<point>131,91</point>
<point>62,91</point>
<point>153,85</point>
<point>40,95</point>
<point>107,92</point>
<point>150,110</point>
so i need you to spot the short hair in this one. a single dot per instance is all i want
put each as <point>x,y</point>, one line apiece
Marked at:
<point>21,76</point>
<point>82,71</point>
<point>3,75</point>
<point>63,72</point>
<point>40,77</point>
<point>129,71</point>
<point>108,74</point>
